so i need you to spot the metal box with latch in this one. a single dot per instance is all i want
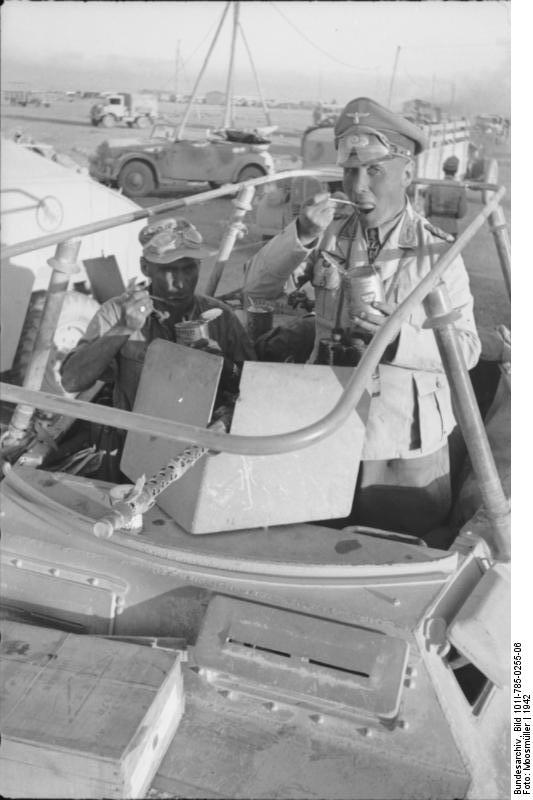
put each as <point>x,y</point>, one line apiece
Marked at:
<point>228,492</point>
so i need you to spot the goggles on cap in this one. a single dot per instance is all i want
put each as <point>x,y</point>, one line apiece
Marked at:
<point>173,225</point>
<point>170,245</point>
<point>368,145</point>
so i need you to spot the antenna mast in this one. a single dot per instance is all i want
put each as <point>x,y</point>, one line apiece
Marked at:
<point>177,76</point>
<point>228,116</point>
<point>259,92</point>
<point>200,74</point>
<point>396,57</point>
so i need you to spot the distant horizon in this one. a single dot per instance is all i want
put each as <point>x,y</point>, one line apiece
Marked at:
<point>490,95</point>
<point>454,54</point>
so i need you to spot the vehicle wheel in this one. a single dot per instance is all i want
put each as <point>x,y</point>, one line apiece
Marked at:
<point>214,185</point>
<point>77,311</point>
<point>108,121</point>
<point>142,122</point>
<point>136,179</point>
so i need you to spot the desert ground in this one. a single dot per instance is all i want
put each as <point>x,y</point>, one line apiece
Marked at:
<point>66,126</point>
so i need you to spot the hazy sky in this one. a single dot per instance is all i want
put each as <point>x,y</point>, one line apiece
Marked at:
<point>327,46</point>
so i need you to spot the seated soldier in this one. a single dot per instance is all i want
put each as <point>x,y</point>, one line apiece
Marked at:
<point>114,346</point>
<point>121,330</point>
<point>446,203</point>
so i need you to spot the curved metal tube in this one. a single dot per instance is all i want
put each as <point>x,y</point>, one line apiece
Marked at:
<point>144,213</point>
<point>475,185</point>
<point>279,443</point>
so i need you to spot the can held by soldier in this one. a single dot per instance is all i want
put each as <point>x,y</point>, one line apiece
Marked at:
<point>259,320</point>
<point>191,331</point>
<point>365,288</point>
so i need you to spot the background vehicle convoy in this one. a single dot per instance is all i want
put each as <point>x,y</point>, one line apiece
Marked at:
<point>140,110</point>
<point>490,124</point>
<point>322,662</point>
<point>139,168</point>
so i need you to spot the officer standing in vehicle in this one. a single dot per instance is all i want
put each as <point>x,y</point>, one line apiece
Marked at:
<point>403,482</point>
<point>447,203</point>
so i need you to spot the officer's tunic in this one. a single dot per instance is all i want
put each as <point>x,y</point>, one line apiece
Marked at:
<point>411,417</point>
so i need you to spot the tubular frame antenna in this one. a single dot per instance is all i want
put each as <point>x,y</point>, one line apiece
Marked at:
<point>259,92</point>
<point>228,114</point>
<point>202,70</point>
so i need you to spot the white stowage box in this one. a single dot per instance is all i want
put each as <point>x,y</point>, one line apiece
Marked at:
<point>83,717</point>
<point>230,492</point>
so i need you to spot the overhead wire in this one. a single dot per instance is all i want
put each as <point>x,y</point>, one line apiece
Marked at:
<point>208,34</point>
<point>317,47</point>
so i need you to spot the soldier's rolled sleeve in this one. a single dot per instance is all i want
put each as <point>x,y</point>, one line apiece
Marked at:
<point>274,263</point>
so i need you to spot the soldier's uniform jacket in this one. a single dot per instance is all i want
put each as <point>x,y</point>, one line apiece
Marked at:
<point>126,368</point>
<point>412,414</point>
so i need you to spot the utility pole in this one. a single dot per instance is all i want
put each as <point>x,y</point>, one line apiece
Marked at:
<point>396,57</point>
<point>433,90</point>
<point>259,92</point>
<point>228,116</point>
<point>176,88</point>
<point>452,100</point>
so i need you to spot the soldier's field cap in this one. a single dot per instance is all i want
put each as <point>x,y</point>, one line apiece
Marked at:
<point>167,240</point>
<point>367,131</point>
<point>451,164</point>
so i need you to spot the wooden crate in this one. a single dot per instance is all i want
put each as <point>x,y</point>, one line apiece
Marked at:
<point>83,716</point>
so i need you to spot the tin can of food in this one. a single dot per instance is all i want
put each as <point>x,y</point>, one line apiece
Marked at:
<point>364,288</point>
<point>191,331</point>
<point>259,320</point>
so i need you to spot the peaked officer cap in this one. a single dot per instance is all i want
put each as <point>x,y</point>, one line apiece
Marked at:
<point>367,131</point>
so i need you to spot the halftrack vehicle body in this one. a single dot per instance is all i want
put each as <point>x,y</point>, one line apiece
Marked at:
<point>322,661</point>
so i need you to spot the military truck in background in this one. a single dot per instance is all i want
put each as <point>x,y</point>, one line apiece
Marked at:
<point>421,112</point>
<point>491,124</point>
<point>140,110</point>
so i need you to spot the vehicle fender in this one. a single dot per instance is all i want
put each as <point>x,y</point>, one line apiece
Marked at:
<point>259,164</point>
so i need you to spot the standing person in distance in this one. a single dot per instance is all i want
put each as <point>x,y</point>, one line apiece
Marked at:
<point>445,204</point>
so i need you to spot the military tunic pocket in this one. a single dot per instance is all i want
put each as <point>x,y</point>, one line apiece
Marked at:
<point>434,409</point>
